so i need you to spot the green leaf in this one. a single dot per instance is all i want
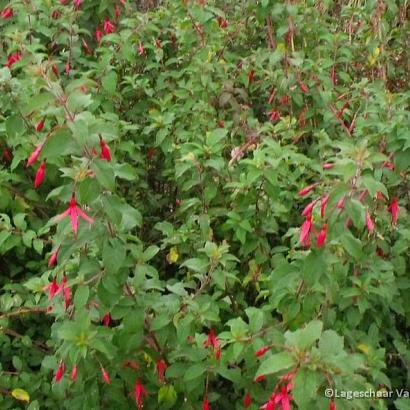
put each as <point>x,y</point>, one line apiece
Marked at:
<point>14,126</point>
<point>352,245</point>
<point>109,82</point>
<point>304,338</point>
<point>276,363</point>
<point>196,264</point>
<point>150,252</point>
<point>194,371</point>
<point>167,396</point>
<point>81,297</point>
<point>330,343</point>
<point>305,391</point>
<point>104,174</point>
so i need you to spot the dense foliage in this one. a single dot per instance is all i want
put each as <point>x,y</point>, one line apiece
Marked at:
<point>203,204</point>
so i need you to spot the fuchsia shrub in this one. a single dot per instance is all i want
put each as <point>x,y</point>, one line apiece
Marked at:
<point>203,204</point>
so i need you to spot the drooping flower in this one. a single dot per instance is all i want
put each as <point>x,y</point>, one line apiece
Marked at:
<point>59,372</point>
<point>107,319</point>
<point>105,376</point>
<point>363,195</point>
<point>332,405</point>
<point>67,297</point>
<point>394,209</point>
<point>77,3</point>
<point>35,154</point>
<point>306,190</point>
<point>55,70</point>
<point>86,47</point>
<point>205,404</point>
<point>67,68</point>
<point>251,76</point>
<point>117,12</point>
<point>213,341</point>
<point>98,34</point>
<point>105,150</point>
<point>140,392</point>
<point>40,125</point>
<point>52,289</point>
<point>247,401</point>
<point>260,378</point>
<point>161,367</point>
<point>305,229</point>
<point>73,374</point>
<point>321,238</point>
<point>40,174</point>
<point>7,13</point>
<point>53,257</point>
<point>303,87</point>
<point>369,222</point>
<point>74,211</point>
<point>323,204</point>
<point>6,155</point>
<point>309,208</point>
<point>108,26</point>
<point>274,115</point>
<point>328,165</point>
<point>141,49</point>
<point>341,203</point>
<point>13,58</point>
<point>260,352</point>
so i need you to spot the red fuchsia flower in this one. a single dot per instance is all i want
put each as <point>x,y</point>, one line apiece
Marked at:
<point>328,165</point>
<point>35,154</point>
<point>67,68</point>
<point>74,211</point>
<point>107,319</point>
<point>13,58</point>
<point>55,70</point>
<point>6,155</point>
<point>251,75</point>
<point>56,14</point>
<point>98,34</point>
<point>40,174</point>
<point>213,341</point>
<point>117,12</point>
<point>321,238</point>
<point>303,87</point>
<point>388,165</point>
<point>309,208</point>
<point>131,363</point>
<point>363,195</point>
<point>161,367</point>
<point>73,374</point>
<point>158,43</point>
<point>150,154</point>
<point>105,150</point>
<point>52,289</point>
<point>77,3</point>
<point>247,401</point>
<point>284,100</point>
<point>260,352</point>
<point>305,230</point>
<point>369,222</point>
<point>140,392</point>
<point>341,203</point>
<point>274,115</point>
<point>379,196</point>
<point>7,13</point>
<point>307,189</point>
<point>332,405</point>
<point>67,297</point>
<point>205,404</point>
<point>63,2</point>
<point>105,376</point>
<point>60,372</point>
<point>260,378</point>
<point>141,49</point>
<point>394,209</point>
<point>108,26</point>
<point>323,204</point>
<point>53,257</point>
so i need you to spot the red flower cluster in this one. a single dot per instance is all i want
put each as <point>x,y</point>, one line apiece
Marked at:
<point>212,341</point>
<point>55,289</point>
<point>281,395</point>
